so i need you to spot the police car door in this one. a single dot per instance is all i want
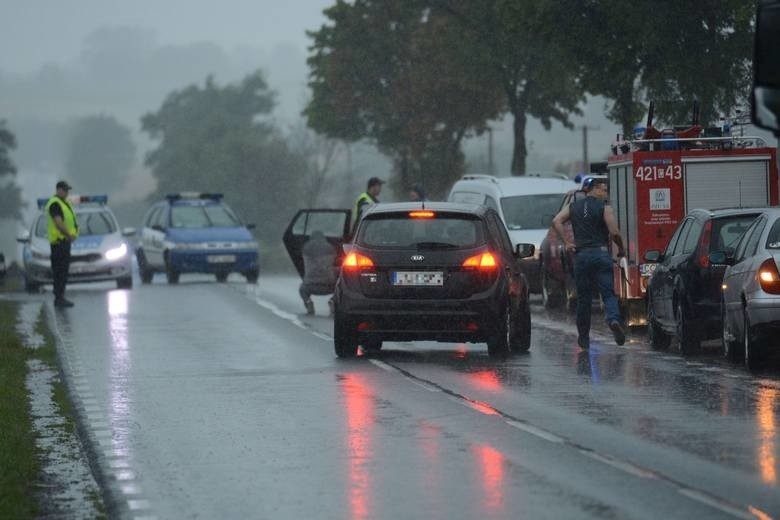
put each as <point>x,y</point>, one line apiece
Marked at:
<point>334,224</point>
<point>153,238</point>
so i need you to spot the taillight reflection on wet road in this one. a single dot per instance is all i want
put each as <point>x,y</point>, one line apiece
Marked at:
<point>491,464</point>
<point>359,404</point>
<point>767,434</point>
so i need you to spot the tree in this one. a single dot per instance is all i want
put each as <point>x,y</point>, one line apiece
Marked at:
<point>10,194</point>
<point>213,139</point>
<point>521,43</point>
<point>399,75</point>
<point>100,154</point>
<point>670,52</point>
<point>319,152</point>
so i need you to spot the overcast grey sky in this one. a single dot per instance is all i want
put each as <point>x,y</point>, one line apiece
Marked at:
<point>35,32</point>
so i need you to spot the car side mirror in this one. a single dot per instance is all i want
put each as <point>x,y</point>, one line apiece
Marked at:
<point>23,238</point>
<point>765,96</point>
<point>653,256</point>
<point>128,232</point>
<point>523,250</point>
<point>251,226</point>
<point>721,258</point>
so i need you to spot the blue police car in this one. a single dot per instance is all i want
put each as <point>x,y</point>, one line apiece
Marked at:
<point>195,233</point>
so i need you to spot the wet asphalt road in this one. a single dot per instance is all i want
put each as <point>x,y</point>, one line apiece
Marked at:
<point>208,400</point>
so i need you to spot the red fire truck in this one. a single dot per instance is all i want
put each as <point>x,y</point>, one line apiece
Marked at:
<point>654,181</point>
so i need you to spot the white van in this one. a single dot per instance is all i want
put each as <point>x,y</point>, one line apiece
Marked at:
<point>527,206</point>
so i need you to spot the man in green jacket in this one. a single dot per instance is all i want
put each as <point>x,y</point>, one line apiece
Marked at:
<point>62,230</point>
<point>367,198</point>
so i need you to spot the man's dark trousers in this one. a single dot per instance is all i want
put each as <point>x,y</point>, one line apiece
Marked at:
<point>60,262</point>
<point>594,264</point>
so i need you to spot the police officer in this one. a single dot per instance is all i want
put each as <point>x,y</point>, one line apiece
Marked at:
<point>368,197</point>
<point>63,229</point>
<point>594,224</point>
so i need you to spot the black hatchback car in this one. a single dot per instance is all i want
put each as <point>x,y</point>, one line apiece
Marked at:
<point>684,291</point>
<point>440,272</point>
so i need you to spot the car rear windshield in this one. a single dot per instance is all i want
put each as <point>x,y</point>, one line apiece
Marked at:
<point>90,223</point>
<point>726,231</point>
<point>530,211</point>
<point>404,232</point>
<point>202,216</point>
<point>773,239</point>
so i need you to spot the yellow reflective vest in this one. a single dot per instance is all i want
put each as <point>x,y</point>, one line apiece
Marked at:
<point>68,217</point>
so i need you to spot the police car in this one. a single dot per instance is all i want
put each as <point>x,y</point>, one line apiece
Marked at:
<point>100,253</point>
<point>196,233</point>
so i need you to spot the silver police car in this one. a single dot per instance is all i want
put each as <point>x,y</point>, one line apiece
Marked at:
<point>100,253</point>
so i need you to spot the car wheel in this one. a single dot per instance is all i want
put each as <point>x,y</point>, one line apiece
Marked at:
<point>252,276</point>
<point>143,268</point>
<point>171,275</point>
<point>552,292</point>
<point>731,349</point>
<point>125,283</point>
<point>372,346</point>
<point>499,341</point>
<point>659,340</point>
<point>222,277</point>
<point>753,351</point>
<point>344,339</point>
<point>30,286</point>
<point>686,336</point>
<point>521,338</point>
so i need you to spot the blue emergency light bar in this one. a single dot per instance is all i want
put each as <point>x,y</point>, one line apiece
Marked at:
<point>193,195</point>
<point>78,199</point>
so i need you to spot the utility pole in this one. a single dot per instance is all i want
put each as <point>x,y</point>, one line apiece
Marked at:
<point>491,168</point>
<point>585,163</point>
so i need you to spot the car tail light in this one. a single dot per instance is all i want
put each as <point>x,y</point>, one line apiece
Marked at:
<point>768,276</point>
<point>703,250</point>
<point>484,261</point>
<point>422,214</point>
<point>356,261</point>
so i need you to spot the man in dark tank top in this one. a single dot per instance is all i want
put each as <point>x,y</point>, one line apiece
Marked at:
<point>594,225</point>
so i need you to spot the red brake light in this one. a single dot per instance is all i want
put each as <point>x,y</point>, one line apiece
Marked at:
<point>482,261</point>
<point>704,245</point>
<point>357,261</point>
<point>422,214</point>
<point>768,276</point>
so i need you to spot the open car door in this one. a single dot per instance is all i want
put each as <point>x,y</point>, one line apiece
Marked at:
<point>334,224</point>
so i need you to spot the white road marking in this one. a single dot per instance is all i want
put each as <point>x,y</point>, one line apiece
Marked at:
<point>624,466</point>
<point>538,432</point>
<point>719,504</point>
<point>135,505</point>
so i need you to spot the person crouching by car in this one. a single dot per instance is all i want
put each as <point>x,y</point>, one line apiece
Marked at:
<point>319,272</point>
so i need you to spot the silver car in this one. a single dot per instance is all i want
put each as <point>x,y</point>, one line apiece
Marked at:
<point>100,253</point>
<point>751,291</point>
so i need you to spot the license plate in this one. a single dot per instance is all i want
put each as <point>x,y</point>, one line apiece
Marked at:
<point>220,259</point>
<point>423,278</point>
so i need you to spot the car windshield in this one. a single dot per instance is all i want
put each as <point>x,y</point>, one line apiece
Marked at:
<point>90,223</point>
<point>773,239</point>
<point>727,231</point>
<point>530,211</point>
<point>403,232</point>
<point>202,216</point>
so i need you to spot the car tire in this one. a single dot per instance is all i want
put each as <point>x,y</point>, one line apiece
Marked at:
<point>222,277</point>
<point>658,339</point>
<point>372,346</point>
<point>753,351</point>
<point>143,267</point>
<point>553,293</point>
<point>499,341</point>
<point>344,339</point>
<point>171,275</point>
<point>686,337</point>
<point>521,337</point>
<point>125,283</point>
<point>30,286</point>
<point>252,276</point>
<point>732,350</point>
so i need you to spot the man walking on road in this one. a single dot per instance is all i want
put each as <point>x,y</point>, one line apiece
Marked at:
<point>594,224</point>
<point>62,230</point>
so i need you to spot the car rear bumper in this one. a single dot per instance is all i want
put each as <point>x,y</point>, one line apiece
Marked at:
<point>764,316</point>
<point>227,261</point>
<point>471,319</point>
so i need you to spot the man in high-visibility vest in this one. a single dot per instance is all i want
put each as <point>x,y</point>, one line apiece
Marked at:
<point>63,229</point>
<point>367,198</point>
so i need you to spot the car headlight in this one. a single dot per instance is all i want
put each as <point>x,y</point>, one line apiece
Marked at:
<point>39,255</point>
<point>117,252</point>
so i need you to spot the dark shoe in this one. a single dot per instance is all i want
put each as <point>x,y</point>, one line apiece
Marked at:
<point>62,303</point>
<point>618,332</point>
<point>309,307</point>
<point>583,343</point>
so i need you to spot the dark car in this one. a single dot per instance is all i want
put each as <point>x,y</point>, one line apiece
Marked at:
<point>751,292</point>
<point>445,272</point>
<point>684,291</point>
<point>196,233</point>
